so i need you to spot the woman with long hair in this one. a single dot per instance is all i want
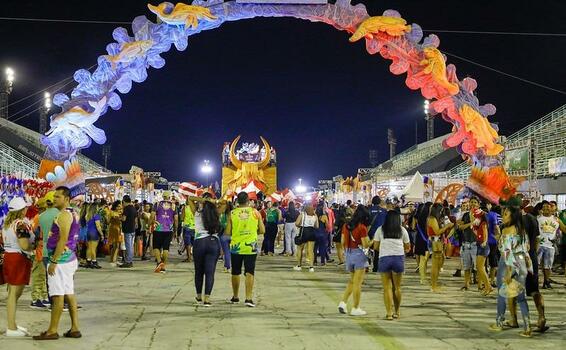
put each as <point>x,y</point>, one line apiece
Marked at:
<point>392,241</point>
<point>115,236</point>
<point>225,239</point>
<point>307,222</point>
<point>514,266</point>
<point>94,233</point>
<point>355,239</point>
<point>435,233</point>
<point>291,215</point>
<point>18,243</point>
<point>206,248</point>
<point>82,246</point>
<point>321,245</point>
<point>422,240</point>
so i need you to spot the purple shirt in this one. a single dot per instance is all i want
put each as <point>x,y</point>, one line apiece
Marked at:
<point>165,216</point>
<point>69,254</point>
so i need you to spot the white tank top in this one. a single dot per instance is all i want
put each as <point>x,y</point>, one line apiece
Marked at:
<point>309,220</point>
<point>10,238</point>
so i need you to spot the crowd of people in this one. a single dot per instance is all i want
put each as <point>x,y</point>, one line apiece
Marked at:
<point>500,247</point>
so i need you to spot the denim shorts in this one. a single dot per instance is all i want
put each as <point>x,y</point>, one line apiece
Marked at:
<point>391,263</point>
<point>356,260</point>
<point>546,257</point>
<point>483,251</point>
<point>188,236</point>
<point>468,252</point>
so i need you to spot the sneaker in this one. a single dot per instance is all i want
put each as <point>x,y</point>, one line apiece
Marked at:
<point>343,308</point>
<point>163,270</point>
<point>311,269</point>
<point>458,273</point>
<point>357,312</point>
<point>249,303</point>
<point>18,333</point>
<point>198,301</point>
<point>233,300</point>
<point>127,265</point>
<point>159,267</point>
<point>46,302</point>
<point>25,330</point>
<point>207,304</point>
<point>95,265</point>
<point>297,268</point>
<point>38,305</point>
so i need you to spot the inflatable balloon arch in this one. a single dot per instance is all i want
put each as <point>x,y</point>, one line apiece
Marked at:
<point>388,35</point>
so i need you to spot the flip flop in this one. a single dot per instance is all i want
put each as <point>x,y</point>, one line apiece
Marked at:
<point>72,334</point>
<point>45,336</point>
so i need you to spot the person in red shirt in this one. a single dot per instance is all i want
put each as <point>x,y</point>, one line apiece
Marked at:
<point>355,239</point>
<point>479,226</point>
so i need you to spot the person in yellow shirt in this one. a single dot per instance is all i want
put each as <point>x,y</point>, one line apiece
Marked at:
<point>243,226</point>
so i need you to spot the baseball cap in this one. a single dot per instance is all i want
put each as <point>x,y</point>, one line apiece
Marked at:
<point>16,204</point>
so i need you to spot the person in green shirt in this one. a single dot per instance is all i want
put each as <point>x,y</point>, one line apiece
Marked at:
<point>46,220</point>
<point>243,226</point>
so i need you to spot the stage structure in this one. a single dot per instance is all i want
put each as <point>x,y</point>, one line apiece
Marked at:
<point>250,165</point>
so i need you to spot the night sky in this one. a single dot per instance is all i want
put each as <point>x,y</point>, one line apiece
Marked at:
<point>321,101</point>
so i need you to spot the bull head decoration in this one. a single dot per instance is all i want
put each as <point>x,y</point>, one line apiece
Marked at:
<point>247,171</point>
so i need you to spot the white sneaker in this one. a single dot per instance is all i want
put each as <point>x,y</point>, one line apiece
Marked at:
<point>16,334</point>
<point>357,312</point>
<point>25,330</point>
<point>343,308</point>
<point>297,268</point>
<point>311,269</point>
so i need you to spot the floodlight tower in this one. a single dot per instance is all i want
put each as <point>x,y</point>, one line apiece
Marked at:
<point>5,91</point>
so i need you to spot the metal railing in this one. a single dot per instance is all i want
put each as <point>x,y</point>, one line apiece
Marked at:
<point>12,162</point>
<point>548,139</point>
<point>410,158</point>
<point>87,165</point>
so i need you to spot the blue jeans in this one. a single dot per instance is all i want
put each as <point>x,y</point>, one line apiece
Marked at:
<point>225,243</point>
<point>129,242</point>
<point>321,246</point>
<point>206,252</point>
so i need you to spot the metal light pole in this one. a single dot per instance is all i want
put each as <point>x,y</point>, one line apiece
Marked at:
<point>429,121</point>
<point>44,112</point>
<point>106,153</point>
<point>5,91</point>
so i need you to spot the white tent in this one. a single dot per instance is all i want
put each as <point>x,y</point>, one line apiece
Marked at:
<point>414,191</point>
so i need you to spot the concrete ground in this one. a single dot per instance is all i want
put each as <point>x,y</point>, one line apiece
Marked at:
<point>138,309</point>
